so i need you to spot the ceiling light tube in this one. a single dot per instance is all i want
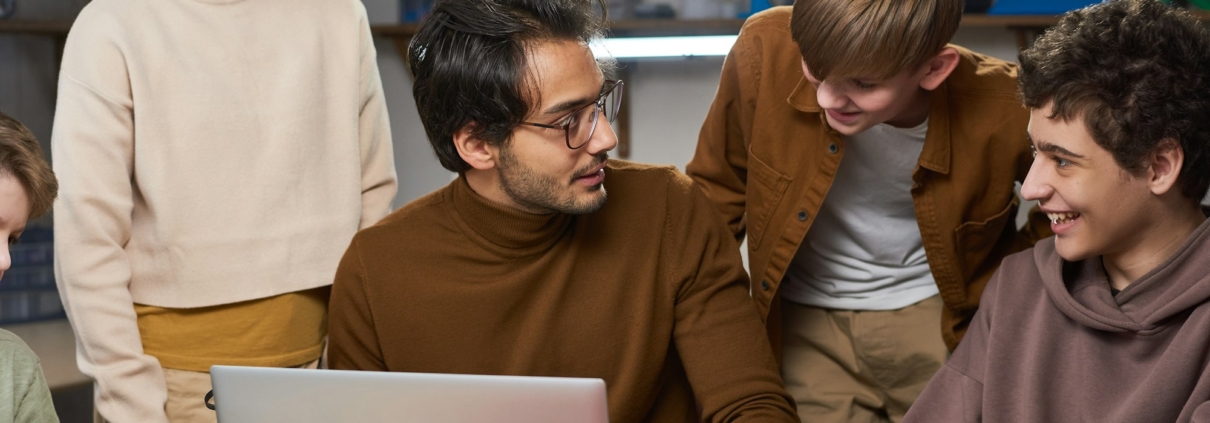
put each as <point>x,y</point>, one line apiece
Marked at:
<point>663,47</point>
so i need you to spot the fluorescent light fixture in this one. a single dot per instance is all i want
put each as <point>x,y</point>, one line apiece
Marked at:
<point>655,47</point>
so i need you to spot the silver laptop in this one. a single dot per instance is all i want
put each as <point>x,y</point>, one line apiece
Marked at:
<point>267,395</point>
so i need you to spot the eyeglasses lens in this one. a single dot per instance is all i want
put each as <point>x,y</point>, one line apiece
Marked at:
<point>585,122</point>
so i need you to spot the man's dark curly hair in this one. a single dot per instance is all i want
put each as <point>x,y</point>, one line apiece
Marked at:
<point>1138,72</point>
<point>469,59</point>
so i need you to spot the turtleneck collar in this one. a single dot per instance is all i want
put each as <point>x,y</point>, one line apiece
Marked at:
<point>515,231</point>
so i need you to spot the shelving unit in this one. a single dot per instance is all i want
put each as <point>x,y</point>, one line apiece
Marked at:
<point>1025,27</point>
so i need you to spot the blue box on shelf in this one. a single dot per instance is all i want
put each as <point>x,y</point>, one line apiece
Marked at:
<point>29,277</point>
<point>1037,7</point>
<point>27,289</point>
<point>36,233</point>
<point>31,254</point>
<point>30,306</point>
<point>413,11</point>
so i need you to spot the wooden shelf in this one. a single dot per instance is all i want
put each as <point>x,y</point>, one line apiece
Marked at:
<point>35,27</point>
<point>677,27</point>
<point>980,20</point>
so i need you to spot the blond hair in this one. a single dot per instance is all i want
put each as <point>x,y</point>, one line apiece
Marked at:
<point>871,38</point>
<point>21,158</point>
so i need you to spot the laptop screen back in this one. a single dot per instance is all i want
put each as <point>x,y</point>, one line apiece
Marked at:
<point>268,395</point>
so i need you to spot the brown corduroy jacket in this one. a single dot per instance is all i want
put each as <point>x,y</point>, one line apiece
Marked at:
<point>766,158</point>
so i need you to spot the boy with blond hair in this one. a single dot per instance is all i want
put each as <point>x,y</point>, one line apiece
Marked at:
<point>856,263</point>
<point>27,189</point>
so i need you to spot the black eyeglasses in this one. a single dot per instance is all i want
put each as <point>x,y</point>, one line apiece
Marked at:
<point>578,126</point>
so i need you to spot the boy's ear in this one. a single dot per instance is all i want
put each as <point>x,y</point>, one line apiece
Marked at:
<point>473,150</point>
<point>938,68</point>
<point>1166,162</point>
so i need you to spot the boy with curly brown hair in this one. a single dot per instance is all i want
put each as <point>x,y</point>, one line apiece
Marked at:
<point>1109,320</point>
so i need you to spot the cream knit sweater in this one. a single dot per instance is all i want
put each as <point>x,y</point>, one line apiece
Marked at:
<point>209,152</point>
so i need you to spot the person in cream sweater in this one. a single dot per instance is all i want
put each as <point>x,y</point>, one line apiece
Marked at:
<point>215,159</point>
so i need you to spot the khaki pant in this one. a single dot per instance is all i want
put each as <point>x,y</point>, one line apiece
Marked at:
<point>186,392</point>
<point>860,366</point>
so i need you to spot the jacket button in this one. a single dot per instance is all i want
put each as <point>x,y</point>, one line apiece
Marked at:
<point>802,215</point>
<point>832,148</point>
<point>764,285</point>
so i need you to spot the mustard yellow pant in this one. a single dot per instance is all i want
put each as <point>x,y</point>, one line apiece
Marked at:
<point>860,366</point>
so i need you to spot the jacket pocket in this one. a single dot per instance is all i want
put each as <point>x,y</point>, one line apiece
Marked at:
<point>975,240</point>
<point>766,187</point>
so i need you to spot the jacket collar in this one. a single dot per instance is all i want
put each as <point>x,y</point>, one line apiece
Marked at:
<point>936,154</point>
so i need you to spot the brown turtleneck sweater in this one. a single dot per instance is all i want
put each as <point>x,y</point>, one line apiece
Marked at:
<point>648,294</point>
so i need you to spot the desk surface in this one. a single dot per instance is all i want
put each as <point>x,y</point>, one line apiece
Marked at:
<point>55,345</point>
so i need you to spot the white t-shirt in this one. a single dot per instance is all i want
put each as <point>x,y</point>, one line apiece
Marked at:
<point>864,250</point>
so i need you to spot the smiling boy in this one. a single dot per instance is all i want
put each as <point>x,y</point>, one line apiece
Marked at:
<point>871,166</point>
<point>1109,320</point>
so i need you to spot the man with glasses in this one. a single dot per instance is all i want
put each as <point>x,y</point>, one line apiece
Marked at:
<point>521,267</point>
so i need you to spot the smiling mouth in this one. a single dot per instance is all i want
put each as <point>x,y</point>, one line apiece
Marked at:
<point>1061,218</point>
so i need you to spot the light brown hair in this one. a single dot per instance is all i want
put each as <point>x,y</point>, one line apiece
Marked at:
<point>21,158</point>
<point>871,38</point>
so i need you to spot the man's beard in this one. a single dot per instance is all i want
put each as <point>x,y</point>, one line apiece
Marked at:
<point>540,193</point>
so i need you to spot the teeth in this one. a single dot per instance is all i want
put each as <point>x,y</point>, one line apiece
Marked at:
<point>1057,218</point>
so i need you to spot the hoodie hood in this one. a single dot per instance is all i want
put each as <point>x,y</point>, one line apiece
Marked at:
<point>1081,289</point>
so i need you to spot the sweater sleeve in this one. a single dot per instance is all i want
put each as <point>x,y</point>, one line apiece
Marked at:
<point>36,406</point>
<point>93,150</point>
<point>1201,414</point>
<point>955,393</point>
<point>718,334</point>
<point>720,163</point>
<point>378,179</point>
<point>352,337</point>
<point>24,396</point>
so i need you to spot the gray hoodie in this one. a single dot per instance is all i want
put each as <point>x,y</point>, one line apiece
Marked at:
<point>1050,343</point>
